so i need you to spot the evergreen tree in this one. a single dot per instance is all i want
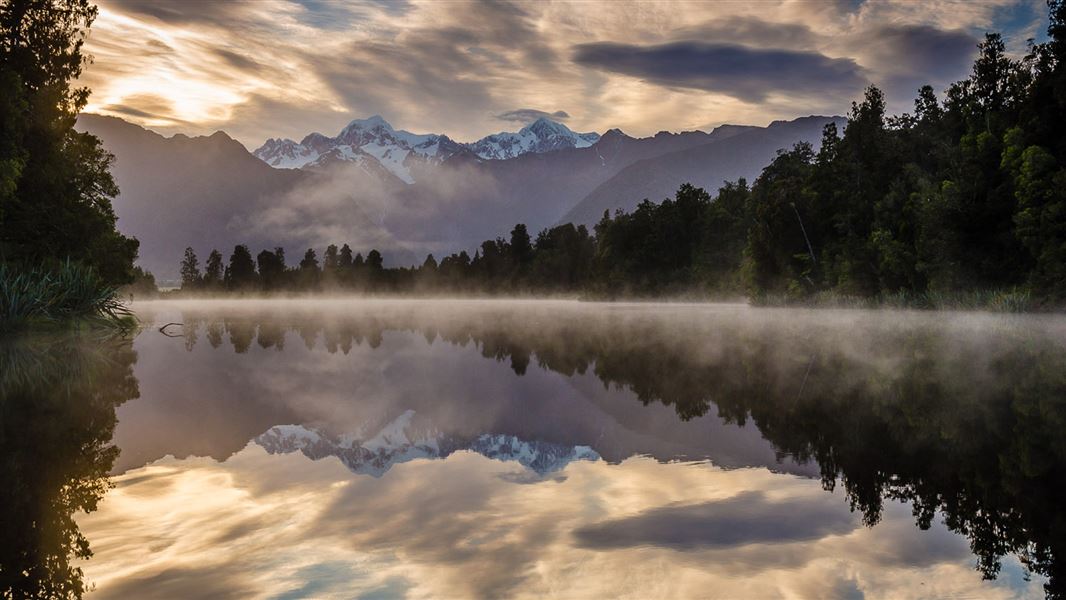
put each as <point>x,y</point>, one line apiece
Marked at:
<point>240,274</point>
<point>190,271</point>
<point>309,262</point>
<point>330,259</point>
<point>374,261</point>
<point>213,270</point>
<point>344,260</point>
<point>271,268</point>
<point>521,245</point>
<point>309,272</point>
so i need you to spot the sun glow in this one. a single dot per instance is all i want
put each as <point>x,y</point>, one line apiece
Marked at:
<point>270,68</point>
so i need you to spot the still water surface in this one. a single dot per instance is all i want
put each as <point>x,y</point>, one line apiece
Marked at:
<point>446,449</point>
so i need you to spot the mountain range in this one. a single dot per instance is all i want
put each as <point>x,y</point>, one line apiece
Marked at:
<point>400,441</point>
<point>365,141</point>
<point>375,186</point>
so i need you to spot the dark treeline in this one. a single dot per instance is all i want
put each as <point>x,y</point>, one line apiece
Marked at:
<point>965,194</point>
<point>558,260</point>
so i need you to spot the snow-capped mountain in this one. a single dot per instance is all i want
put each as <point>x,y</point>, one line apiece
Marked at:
<point>210,191</point>
<point>362,140</point>
<point>543,135</point>
<point>374,140</point>
<point>285,153</point>
<point>374,453</point>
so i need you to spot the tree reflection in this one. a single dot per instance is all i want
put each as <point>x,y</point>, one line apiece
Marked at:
<point>966,423</point>
<point>57,415</point>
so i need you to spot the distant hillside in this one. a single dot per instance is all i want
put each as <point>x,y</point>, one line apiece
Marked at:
<point>202,192</point>
<point>473,200</point>
<point>210,192</point>
<point>708,166</point>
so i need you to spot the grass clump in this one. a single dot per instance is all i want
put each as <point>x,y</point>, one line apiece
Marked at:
<point>67,295</point>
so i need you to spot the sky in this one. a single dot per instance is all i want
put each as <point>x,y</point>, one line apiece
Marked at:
<point>284,68</point>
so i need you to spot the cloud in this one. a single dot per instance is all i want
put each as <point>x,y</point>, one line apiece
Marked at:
<point>747,518</point>
<point>910,56</point>
<point>238,61</point>
<point>922,48</point>
<point>283,68</point>
<point>751,31</point>
<point>528,115</point>
<point>179,11</point>
<point>144,106</point>
<point>745,73</point>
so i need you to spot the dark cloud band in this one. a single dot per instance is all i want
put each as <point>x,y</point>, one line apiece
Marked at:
<point>745,73</point>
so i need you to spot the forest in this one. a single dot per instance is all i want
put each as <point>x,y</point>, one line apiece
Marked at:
<point>964,198</point>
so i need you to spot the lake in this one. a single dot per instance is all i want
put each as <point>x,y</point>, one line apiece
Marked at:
<point>485,449</point>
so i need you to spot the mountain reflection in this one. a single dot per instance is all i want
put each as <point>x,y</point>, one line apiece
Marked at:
<point>961,416</point>
<point>57,414</point>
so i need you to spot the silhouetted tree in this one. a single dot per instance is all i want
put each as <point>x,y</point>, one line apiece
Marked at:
<point>213,271</point>
<point>190,271</point>
<point>271,268</point>
<point>521,245</point>
<point>374,261</point>
<point>240,274</point>
<point>344,260</point>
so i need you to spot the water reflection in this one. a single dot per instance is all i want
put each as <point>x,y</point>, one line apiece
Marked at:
<point>569,448</point>
<point>57,414</point>
<point>960,416</point>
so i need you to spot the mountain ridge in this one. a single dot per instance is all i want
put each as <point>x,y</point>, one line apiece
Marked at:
<point>707,166</point>
<point>374,138</point>
<point>210,192</point>
<point>398,442</point>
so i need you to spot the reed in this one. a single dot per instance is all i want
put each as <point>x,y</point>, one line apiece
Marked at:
<point>69,294</point>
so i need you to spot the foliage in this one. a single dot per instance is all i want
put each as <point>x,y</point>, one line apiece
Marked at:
<point>962,195</point>
<point>55,184</point>
<point>68,293</point>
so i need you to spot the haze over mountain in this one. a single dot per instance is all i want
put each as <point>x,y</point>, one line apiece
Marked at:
<point>375,186</point>
<point>706,166</point>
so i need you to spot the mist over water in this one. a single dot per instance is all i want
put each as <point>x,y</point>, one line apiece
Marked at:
<point>488,448</point>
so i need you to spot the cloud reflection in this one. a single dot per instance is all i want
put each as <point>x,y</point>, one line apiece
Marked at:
<point>838,388</point>
<point>283,526</point>
<point>747,518</point>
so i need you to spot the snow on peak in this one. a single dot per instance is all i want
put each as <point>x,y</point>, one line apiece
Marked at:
<point>397,150</point>
<point>362,139</point>
<point>375,450</point>
<point>285,153</point>
<point>373,127</point>
<point>542,135</point>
